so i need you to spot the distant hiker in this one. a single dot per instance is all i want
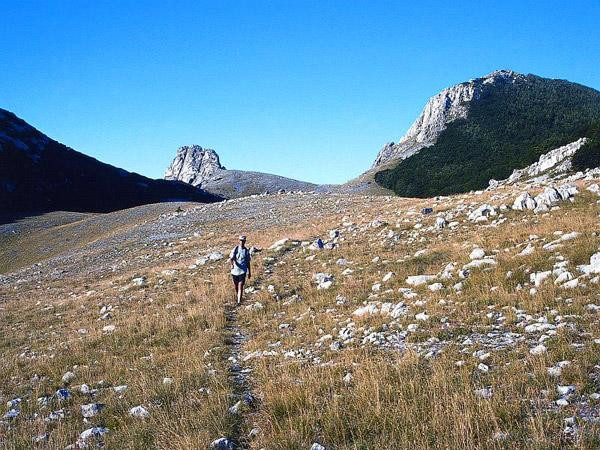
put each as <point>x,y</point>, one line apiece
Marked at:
<point>240,266</point>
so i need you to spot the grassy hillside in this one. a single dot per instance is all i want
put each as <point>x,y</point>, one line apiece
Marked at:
<point>490,361</point>
<point>509,127</point>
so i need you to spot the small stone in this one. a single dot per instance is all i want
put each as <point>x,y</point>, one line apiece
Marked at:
<point>95,432</point>
<point>477,253</point>
<point>484,393</point>
<point>422,316</point>
<point>222,444</point>
<point>91,409</point>
<point>565,390</point>
<point>68,377</point>
<point>139,412</point>
<point>120,389</point>
<point>538,350</point>
<point>11,414</point>
<point>62,394</point>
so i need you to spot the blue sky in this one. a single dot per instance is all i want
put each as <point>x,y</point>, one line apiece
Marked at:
<point>305,89</point>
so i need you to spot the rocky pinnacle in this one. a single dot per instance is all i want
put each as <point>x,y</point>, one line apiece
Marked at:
<point>194,165</point>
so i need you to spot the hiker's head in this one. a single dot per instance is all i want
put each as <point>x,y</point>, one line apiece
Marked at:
<point>242,240</point>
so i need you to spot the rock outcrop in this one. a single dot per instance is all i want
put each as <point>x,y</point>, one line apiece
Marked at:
<point>450,104</point>
<point>202,168</point>
<point>194,165</point>
<point>547,199</point>
<point>552,164</point>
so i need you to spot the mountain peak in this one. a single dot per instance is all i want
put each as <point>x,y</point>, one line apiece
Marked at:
<point>194,165</point>
<point>448,105</point>
<point>503,73</point>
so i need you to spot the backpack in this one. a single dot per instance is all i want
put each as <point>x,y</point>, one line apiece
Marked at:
<point>246,255</point>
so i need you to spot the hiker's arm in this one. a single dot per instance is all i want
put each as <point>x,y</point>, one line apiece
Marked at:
<point>249,268</point>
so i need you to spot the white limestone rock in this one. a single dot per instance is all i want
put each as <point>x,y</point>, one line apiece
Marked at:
<point>418,280</point>
<point>524,201</point>
<point>537,278</point>
<point>194,165</point>
<point>139,411</point>
<point>593,267</point>
<point>94,432</point>
<point>68,377</point>
<point>482,211</point>
<point>477,253</point>
<point>558,159</point>
<point>441,109</point>
<point>323,280</point>
<point>441,222</point>
<point>91,409</point>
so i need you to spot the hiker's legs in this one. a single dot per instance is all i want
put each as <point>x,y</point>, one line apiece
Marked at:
<point>235,285</point>
<point>240,291</point>
<point>238,283</point>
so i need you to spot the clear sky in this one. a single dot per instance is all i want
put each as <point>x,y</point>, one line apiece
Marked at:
<point>305,89</point>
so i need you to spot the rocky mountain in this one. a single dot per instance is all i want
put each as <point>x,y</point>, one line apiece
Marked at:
<point>484,129</point>
<point>202,168</point>
<point>40,174</point>
<point>450,104</point>
<point>194,165</point>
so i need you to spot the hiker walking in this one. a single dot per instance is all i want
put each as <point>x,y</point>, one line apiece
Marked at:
<point>240,266</point>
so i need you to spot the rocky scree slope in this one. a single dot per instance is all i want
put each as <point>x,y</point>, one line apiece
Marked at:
<point>202,168</point>
<point>484,129</point>
<point>40,174</point>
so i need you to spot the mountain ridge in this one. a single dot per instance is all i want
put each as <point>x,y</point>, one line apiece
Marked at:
<point>39,174</point>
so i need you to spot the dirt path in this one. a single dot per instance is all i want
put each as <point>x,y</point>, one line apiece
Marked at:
<point>243,399</point>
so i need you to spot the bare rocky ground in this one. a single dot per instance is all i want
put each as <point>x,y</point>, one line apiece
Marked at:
<point>474,325</point>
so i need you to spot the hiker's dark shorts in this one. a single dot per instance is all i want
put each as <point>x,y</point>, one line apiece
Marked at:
<point>239,278</point>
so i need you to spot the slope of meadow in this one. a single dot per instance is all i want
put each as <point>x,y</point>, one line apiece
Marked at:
<point>405,330</point>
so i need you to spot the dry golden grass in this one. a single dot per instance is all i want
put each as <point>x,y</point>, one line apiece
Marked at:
<point>400,399</point>
<point>396,398</point>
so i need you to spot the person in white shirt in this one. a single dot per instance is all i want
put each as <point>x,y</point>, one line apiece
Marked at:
<point>240,267</point>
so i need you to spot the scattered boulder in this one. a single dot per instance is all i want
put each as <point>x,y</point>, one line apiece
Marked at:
<point>68,377</point>
<point>593,267</point>
<point>538,278</point>
<point>524,201</point>
<point>417,280</point>
<point>91,409</point>
<point>484,210</point>
<point>139,411</point>
<point>323,280</point>
<point>215,256</point>
<point>441,222</point>
<point>547,199</point>
<point>222,444</point>
<point>94,432</point>
<point>477,253</point>
<point>279,244</point>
